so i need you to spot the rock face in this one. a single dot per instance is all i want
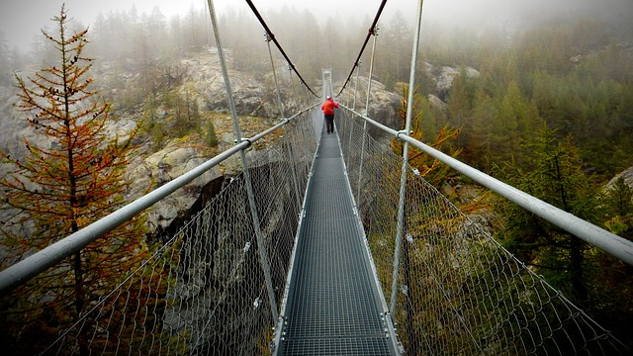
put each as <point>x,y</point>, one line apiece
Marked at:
<point>383,105</point>
<point>627,175</point>
<point>161,168</point>
<point>146,173</point>
<point>152,169</point>
<point>437,103</point>
<point>444,76</point>
<point>13,127</point>
<point>253,95</point>
<point>203,71</point>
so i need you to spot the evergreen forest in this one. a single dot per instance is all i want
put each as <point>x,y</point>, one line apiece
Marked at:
<point>574,76</point>
<point>549,110</point>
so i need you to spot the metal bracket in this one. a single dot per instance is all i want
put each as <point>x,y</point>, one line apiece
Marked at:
<point>279,332</point>
<point>401,132</point>
<point>250,143</point>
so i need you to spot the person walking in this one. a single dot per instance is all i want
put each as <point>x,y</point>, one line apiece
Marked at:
<point>328,112</point>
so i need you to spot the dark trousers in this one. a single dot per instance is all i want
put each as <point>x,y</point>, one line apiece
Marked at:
<point>329,123</point>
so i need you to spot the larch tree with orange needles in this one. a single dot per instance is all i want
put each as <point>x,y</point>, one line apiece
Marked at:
<point>424,128</point>
<point>60,187</point>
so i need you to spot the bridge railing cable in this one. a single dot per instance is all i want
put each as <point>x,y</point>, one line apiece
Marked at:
<point>458,290</point>
<point>281,50</point>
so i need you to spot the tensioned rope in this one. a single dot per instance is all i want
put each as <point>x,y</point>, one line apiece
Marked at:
<point>272,37</point>
<point>371,32</point>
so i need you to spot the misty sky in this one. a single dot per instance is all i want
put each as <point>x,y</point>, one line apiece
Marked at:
<point>21,20</point>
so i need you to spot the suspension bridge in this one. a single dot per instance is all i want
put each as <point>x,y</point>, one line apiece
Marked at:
<point>326,244</point>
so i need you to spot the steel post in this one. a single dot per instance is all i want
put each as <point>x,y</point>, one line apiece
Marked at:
<point>405,161</point>
<point>354,108</point>
<point>272,63</point>
<point>362,152</point>
<point>263,253</point>
<point>356,85</point>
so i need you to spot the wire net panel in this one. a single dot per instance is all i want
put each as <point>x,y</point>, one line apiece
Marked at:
<point>458,291</point>
<point>204,291</point>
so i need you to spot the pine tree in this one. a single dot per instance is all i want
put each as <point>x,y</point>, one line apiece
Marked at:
<point>212,139</point>
<point>551,172</point>
<point>460,107</point>
<point>480,150</point>
<point>61,187</point>
<point>618,201</point>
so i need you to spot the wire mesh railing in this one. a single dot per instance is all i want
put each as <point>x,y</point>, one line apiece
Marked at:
<point>459,292</point>
<point>202,290</point>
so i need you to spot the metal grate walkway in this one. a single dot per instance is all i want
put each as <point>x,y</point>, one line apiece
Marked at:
<point>333,306</point>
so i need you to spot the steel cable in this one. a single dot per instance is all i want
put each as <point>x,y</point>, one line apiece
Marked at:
<point>371,32</point>
<point>272,38</point>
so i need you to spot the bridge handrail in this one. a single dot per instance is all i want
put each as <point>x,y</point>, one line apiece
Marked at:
<point>24,270</point>
<point>590,233</point>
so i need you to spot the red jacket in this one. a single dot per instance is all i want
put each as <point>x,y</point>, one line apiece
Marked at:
<point>329,106</point>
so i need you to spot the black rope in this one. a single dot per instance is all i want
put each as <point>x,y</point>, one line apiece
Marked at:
<point>272,37</point>
<point>372,31</point>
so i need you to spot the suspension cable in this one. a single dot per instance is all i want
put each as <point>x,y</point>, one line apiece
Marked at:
<point>277,88</point>
<point>272,37</point>
<point>372,32</point>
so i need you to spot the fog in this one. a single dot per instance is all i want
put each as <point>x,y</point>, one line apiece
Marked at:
<point>21,20</point>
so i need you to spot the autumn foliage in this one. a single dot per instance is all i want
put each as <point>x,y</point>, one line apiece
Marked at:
<point>425,131</point>
<point>59,187</point>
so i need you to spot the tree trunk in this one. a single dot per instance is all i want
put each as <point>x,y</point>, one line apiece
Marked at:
<point>576,272</point>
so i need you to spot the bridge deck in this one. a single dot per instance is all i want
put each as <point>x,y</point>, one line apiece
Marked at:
<point>333,305</point>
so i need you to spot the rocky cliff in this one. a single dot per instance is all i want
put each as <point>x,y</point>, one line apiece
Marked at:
<point>384,105</point>
<point>154,167</point>
<point>201,77</point>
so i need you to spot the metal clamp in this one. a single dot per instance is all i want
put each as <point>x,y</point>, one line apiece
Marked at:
<point>250,143</point>
<point>401,132</point>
